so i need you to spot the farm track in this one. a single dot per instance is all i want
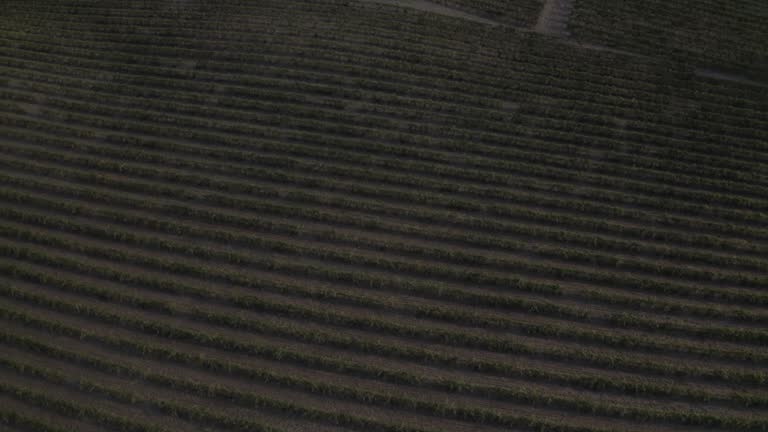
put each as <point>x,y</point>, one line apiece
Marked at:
<point>553,19</point>
<point>718,75</point>
<point>347,216</point>
<point>435,8</point>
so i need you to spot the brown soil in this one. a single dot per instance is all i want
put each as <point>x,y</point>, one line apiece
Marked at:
<point>137,413</point>
<point>330,378</point>
<point>565,284</point>
<point>374,360</point>
<point>44,416</point>
<point>296,281</point>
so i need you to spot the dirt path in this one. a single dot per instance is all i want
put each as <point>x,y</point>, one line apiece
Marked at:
<point>554,16</point>
<point>553,20</point>
<point>595,47</point>
<point>724,76</point>
<point>428,6</point>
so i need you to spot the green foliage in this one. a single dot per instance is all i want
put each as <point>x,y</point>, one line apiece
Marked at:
<point>335,182</point>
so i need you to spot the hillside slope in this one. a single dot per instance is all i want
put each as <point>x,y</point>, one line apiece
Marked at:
<point>341,215</point>
<point>720,35</point>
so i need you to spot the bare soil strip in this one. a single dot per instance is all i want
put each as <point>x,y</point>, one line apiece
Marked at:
<point>553,21</point>
<point>554,16</point>
<point>627,217</point>
<point>153,392</point>
<point>364,356</point>
<point>724,76</point>
<point>371,412</point>
<point>596,47</point>
<point>431,7</point>
<point>43,416</point>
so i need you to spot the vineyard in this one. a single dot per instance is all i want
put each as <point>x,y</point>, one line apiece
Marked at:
<point>723,35</point>
<point>382,216</point>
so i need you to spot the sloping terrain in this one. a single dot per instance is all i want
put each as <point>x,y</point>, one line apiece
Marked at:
<point>520,12</point>
<point>714,34</point>
<point>301,215</point>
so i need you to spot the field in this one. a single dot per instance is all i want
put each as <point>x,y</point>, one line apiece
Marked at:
<point>381,216</point>
<point>711,34</point>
